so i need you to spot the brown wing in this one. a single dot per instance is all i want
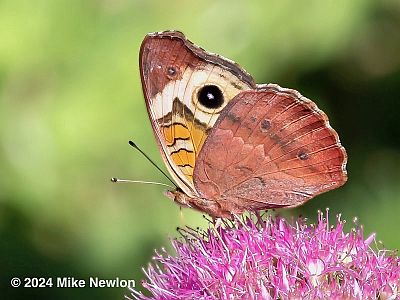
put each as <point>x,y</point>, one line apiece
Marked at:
<point>174,73</point>
<point>271,147</point>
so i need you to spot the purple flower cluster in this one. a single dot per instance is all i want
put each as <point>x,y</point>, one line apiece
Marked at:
<point>265,257</point>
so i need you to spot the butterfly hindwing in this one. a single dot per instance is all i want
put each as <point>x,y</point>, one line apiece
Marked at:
<point>271,147</point>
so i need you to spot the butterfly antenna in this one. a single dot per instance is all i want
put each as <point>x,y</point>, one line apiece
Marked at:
<point>140,181</point>
<point>152,162</point>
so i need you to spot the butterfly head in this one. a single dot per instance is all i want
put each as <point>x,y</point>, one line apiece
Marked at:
<point>179,197</point>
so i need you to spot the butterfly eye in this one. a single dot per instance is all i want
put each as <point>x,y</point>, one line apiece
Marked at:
<point>210,96</point>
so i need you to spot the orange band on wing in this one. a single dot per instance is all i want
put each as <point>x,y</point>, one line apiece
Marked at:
<point>183,158</point>
<point>177,131</point>
<point>184,145</point>
<point>174,132</point>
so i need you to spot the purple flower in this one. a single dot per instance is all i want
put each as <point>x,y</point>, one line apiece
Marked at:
<point>265,257</point>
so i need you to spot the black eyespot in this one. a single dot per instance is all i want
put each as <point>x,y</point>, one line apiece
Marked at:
<point>210,96</point>
<point>265,125</point>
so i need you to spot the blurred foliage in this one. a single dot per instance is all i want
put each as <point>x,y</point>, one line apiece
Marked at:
<point>70,98</point>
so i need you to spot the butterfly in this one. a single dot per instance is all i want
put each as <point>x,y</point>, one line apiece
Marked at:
<point>230,144</point>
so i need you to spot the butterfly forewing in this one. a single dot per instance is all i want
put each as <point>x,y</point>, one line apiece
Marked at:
<point>271,147</point>
<point>175,73</point>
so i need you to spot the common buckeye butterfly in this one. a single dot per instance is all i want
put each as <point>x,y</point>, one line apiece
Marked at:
<point>230,144</point>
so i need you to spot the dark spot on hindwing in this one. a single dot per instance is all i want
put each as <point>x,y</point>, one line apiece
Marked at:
<point>265,125</point>
<point>302,155</point>
<point>232,117</point>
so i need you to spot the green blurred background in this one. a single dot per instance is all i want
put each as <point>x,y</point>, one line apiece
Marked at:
<point>70,99</point>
